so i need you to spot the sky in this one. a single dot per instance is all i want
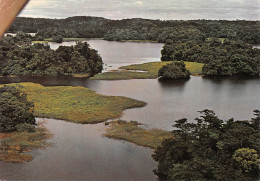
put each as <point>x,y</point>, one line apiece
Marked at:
<point>150,9</point>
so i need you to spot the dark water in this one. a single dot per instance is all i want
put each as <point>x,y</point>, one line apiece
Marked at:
<point>82,153</point>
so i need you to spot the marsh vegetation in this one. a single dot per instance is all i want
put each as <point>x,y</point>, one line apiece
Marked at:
<point>131,132</point>
<point>76,104</point>
<point>148,71</point>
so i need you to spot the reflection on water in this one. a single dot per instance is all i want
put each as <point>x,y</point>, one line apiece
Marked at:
<point>80,152</point>
<point>169,101</point>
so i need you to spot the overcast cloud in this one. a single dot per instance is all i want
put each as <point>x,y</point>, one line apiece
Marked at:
<point>152,9</point>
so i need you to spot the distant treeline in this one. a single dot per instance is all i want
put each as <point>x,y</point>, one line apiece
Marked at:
<point>18,56</point>
<point>139,29</point>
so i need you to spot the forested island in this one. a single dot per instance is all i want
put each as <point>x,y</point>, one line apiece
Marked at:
<point>221,58</point>
<point>18,56</point>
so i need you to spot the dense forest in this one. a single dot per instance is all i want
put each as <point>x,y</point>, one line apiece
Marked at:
<point>18,56</point>
<point>211,149</point>
<point>221,57</point>
<point>224,46</point>
<point>139,29</point>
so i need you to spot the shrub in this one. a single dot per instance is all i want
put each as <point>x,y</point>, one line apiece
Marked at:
<point>25,128</point>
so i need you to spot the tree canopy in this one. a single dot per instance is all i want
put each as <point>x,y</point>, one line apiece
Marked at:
<point>174,70</point>
<point>15,109</point>
<point>139,29</point>
<point>221,57</point>
<point>24,58</point>
<point>57,39</point>
<point>211,149</point>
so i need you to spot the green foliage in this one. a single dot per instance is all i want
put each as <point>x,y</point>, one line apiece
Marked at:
<point>57,39</point>
<point>15,109</point>
<point>247,160</point>
<point>225,58</point>
<point>139,29</point>
<point>210,149</point>
<point>25,128</point>
<point>40,59</point>
<point>172,71</point>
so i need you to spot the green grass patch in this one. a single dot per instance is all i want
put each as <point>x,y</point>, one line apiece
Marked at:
<point>81,75</point>
<point>40,41</point>
<point>131,132</point>
<point>76,104</point>
<point>152,69</point>
<point>15,146</point>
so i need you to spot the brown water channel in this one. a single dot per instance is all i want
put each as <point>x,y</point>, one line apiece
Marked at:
<point>80,152</point>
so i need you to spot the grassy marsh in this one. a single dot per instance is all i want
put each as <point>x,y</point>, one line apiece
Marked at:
<point>15,146</point>
<point>129,131</point>
<point>76,104</point>
<point>152,69</point>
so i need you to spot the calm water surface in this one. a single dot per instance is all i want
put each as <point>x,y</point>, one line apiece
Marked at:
<point>80,152</point>
<point>116,54</point>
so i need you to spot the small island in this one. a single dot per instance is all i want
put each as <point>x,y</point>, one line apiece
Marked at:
<point>173,71</point>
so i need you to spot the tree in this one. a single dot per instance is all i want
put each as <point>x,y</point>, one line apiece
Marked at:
<point>210,149</point>
<point>57,39</point>
<point>15,109</point>
<point>174,70</point>
<point>247,160</point>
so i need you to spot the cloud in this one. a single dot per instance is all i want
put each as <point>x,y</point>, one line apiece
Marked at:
<point>153,9</point>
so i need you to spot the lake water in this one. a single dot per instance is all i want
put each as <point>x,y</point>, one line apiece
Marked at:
<point>80,152</point>
<point>116,54</point>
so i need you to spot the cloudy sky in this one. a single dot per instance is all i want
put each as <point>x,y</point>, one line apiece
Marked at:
<point>152,9</point>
